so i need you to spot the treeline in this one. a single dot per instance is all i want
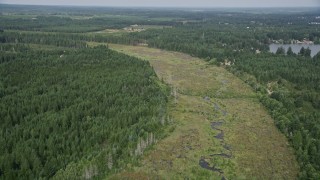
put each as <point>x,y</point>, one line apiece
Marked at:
<point>205,41</point>
<point>69,25</point>
<point>50,24</point>
<point>66,24</point>
<point>302,72</point>
<point>60,40</point>
<point>289,87</point>
<point>70,40</point>
<point>79,113</point>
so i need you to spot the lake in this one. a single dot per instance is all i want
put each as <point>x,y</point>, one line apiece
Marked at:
<point>295,48</point>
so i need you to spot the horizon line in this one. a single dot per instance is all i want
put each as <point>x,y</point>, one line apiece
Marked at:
<point>187,7</point>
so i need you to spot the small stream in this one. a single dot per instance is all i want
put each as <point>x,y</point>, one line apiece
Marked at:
<point>203,162</point>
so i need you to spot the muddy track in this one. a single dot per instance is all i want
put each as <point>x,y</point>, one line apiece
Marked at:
<point>203,162</point>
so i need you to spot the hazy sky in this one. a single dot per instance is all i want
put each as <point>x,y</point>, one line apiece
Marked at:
<point>173,3</point>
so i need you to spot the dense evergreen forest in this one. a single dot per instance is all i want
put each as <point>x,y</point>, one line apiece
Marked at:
<point>68,107</point>
<point>82,110</point>
<point>289,88</point>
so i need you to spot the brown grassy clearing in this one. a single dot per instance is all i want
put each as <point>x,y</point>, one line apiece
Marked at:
<point>259,150</point>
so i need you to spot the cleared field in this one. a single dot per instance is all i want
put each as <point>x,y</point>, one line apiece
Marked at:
<point>221,130</point>
<point>132,28</point>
